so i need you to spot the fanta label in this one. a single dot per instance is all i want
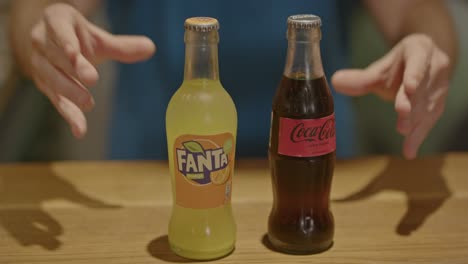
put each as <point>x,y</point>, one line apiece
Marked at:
<point>306,137</point>
<point>203,170</point>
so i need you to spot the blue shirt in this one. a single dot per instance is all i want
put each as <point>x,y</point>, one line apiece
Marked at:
<point>252,52</point>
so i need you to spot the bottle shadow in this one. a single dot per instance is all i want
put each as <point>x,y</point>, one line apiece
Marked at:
<point>267,244</point>
<point>23,190</point>
<point>421,181</point>
<point>159,248</point>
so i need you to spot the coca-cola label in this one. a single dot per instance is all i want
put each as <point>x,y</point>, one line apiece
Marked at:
<point>306,137</point>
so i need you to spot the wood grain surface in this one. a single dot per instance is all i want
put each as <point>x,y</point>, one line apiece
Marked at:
<point>387,210</point>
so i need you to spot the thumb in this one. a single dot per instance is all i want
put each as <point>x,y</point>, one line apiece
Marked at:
<point>356,82</point>
<point>127,49</point>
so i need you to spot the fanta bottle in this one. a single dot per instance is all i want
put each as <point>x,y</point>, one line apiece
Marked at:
<point>201,125</point>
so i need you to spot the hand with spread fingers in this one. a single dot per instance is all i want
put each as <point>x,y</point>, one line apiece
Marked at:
<point>415,75</point>
<point>65,49</point>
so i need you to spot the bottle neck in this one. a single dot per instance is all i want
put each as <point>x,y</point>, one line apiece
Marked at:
<point>201,55</point>
<point>303,60</point>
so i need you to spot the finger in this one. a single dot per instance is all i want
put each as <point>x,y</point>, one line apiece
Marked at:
<point>357,82</point>
<point>57,57</point>
<point>42,87</point>
<point>61,30</point>
<point>63,48</point>
<point>439,71</point>
<point>126,49</point>
<point>69,111</point>
<point>430,92</point>
<point>437,97</point>
<point>403,108</point>
<point>414,140</point>
<point>435,107</point>
<point>60,84</point>
<point>402,103</point>
<point>417,61</point>
<point>87,42</point>
<point>84,63</point>
<point>395,77</point>
<point>403,125</point>
<point>85,70</point>
<point>73,115</point>
<point>419,133</point>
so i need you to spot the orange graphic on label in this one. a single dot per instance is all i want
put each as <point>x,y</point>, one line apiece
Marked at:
<point>203,170</point>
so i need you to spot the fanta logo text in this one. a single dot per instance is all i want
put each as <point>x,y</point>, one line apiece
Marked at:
<point>323,132</point>
<point>198,162</point>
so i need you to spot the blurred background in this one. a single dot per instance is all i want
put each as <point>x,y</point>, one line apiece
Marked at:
<point>31,130</point>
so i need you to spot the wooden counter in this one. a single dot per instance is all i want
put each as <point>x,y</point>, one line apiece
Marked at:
<point>387,210</point>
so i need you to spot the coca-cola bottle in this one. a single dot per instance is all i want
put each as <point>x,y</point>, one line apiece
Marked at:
<point>302,146</point>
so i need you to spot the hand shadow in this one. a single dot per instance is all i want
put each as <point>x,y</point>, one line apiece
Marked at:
<point>420,180</point>
<point>22,192</point>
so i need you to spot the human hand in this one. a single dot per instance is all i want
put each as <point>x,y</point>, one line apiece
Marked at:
<point>66,48</point>
<point>415,75</point>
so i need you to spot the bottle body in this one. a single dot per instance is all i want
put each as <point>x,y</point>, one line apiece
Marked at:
<point>302,155</point>
<point>300,220</point>
<point>201,126</point>
<point>201,108</point>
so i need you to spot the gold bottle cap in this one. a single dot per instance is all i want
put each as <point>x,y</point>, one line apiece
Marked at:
<point>304,21</point>
<point>201,24</point>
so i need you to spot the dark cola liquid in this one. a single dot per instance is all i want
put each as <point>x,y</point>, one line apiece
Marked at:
<point>300,220</point>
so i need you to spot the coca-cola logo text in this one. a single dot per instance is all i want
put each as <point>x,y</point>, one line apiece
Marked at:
<point>301,132</point>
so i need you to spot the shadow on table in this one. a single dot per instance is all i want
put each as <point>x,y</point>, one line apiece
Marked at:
<point>420,180</point>
<point>268,245</point>
<point>22,192</point>
<point>159,248</point>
